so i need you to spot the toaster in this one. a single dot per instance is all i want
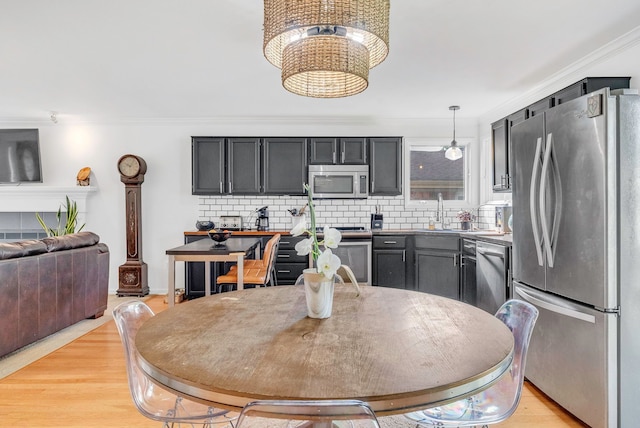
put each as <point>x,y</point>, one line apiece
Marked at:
<point>230,222</point>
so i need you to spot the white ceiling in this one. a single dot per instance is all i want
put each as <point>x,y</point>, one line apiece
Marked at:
<point>96,60</point>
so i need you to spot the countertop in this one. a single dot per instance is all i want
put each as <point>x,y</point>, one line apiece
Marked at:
<point>480,235</point>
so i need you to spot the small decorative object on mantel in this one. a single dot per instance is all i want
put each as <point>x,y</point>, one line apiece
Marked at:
<point>319,281</point>
<point>465,218</point>
<point>84,176</point>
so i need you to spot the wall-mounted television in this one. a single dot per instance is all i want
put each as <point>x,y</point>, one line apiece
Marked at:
<point>20,156</point>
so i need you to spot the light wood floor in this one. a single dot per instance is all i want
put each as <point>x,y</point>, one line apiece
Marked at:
<point>84,384</point>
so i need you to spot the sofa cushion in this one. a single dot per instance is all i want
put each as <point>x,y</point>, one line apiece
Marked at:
<point>11,250</point>
<point>69,242</point>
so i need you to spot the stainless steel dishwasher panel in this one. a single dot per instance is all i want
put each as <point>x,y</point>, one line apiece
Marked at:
<point>491,276</point>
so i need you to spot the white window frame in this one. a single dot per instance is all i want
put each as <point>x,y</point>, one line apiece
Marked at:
<point>471,160</point>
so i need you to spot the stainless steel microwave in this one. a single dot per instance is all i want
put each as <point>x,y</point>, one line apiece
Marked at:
<point>339,181</point>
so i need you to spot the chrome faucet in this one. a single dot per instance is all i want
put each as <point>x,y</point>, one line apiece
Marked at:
<point>440,210</point>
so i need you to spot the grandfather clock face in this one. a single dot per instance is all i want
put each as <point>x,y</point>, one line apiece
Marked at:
<point>132,276</point>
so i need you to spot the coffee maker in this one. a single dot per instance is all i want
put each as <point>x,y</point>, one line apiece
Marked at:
<point>262,222</point>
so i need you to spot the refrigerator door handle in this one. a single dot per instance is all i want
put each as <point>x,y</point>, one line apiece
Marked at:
<point>549,248</point>
<point>533,212</point>
<point>526,296</point>
<point>557,209</point>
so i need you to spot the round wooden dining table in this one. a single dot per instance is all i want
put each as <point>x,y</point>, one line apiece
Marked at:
<point>395,349</point>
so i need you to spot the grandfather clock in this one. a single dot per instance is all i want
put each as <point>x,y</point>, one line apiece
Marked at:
<point>132,276</point>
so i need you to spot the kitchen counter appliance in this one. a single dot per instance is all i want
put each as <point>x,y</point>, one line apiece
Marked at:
<point>262,222</point>
<point>339,181</point>
<point>230,222</point>
<point>576,246</point>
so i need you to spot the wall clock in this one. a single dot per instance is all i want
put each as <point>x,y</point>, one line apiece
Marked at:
<point>132,276</point>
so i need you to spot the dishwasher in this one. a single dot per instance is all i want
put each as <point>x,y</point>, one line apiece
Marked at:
<point>491,276</point>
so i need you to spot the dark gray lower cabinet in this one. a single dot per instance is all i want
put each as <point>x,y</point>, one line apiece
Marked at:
<point>437,266</point>
<point>391,261</point>
<point>289,265</point>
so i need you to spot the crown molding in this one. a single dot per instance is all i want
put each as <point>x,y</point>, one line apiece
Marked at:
<point>565,76</point>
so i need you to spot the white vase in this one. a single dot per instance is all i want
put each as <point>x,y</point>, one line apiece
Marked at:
<point>318,291</point>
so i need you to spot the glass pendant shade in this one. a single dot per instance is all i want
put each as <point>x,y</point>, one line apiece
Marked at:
<point>324,46</point>
<point>453,152</point>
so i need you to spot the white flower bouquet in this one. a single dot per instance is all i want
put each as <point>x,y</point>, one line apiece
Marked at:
<point>325,261</point>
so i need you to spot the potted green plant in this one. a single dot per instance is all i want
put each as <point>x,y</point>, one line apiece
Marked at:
<point>71,207</point>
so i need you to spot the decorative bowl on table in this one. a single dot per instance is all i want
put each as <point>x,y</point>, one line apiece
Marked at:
<point>219,236</point>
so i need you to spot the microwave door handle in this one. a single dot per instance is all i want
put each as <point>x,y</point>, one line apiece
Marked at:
<point>532,202</point>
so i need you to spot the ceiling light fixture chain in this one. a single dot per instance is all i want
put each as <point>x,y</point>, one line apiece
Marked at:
<point>326,48</point>
<point>453,152</point>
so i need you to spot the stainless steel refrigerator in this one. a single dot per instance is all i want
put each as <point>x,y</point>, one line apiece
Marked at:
<point>576,252</point>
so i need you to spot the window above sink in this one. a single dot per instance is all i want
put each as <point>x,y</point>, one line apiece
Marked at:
<point>428,173</point>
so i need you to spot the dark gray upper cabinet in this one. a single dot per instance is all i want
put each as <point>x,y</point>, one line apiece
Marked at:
<point>323,151</point>
<point>353,151</point>
<point>500,155</point>
<point>338,151</point>
<point>385,165</point>
<point>208,166</point>
<point>284,165</point>
<point>243,162</point>
<point>279,165</point>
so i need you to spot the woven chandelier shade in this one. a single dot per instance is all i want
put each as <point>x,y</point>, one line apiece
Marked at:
<point>324,45</point>
<point>325,67</point>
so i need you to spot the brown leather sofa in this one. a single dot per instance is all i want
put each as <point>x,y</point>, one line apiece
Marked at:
<point>49,284</point>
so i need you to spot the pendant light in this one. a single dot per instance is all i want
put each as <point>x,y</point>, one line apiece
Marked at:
<point>325,48</point>
<point>453,152</point>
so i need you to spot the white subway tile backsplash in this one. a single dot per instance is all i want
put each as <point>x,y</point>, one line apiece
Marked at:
<point>337,212</point>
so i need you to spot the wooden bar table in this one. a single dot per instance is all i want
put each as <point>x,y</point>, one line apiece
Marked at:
<point>207,250</point>
<point>395,349</point>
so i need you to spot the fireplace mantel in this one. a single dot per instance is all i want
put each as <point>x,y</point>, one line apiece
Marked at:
<point>38,198</point>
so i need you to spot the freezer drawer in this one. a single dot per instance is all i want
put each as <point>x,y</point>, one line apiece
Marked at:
<point>572,356</point>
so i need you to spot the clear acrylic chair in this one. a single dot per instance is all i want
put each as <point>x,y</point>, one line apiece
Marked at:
<point>151,400</point>
<point>312,414</point>
<point>499,401</point>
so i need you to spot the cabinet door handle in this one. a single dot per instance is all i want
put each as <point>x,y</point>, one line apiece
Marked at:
<point>342,156</point>
<point>404,254</point>
<point>284,242</point>
<point>334,157</point>
<point>229,185</point>
<point>283,256</point>
<point>390,242</point>
<point>221,187</point>
<point>284,271</point>
<point>455,260</point>
<point>373,186</point>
